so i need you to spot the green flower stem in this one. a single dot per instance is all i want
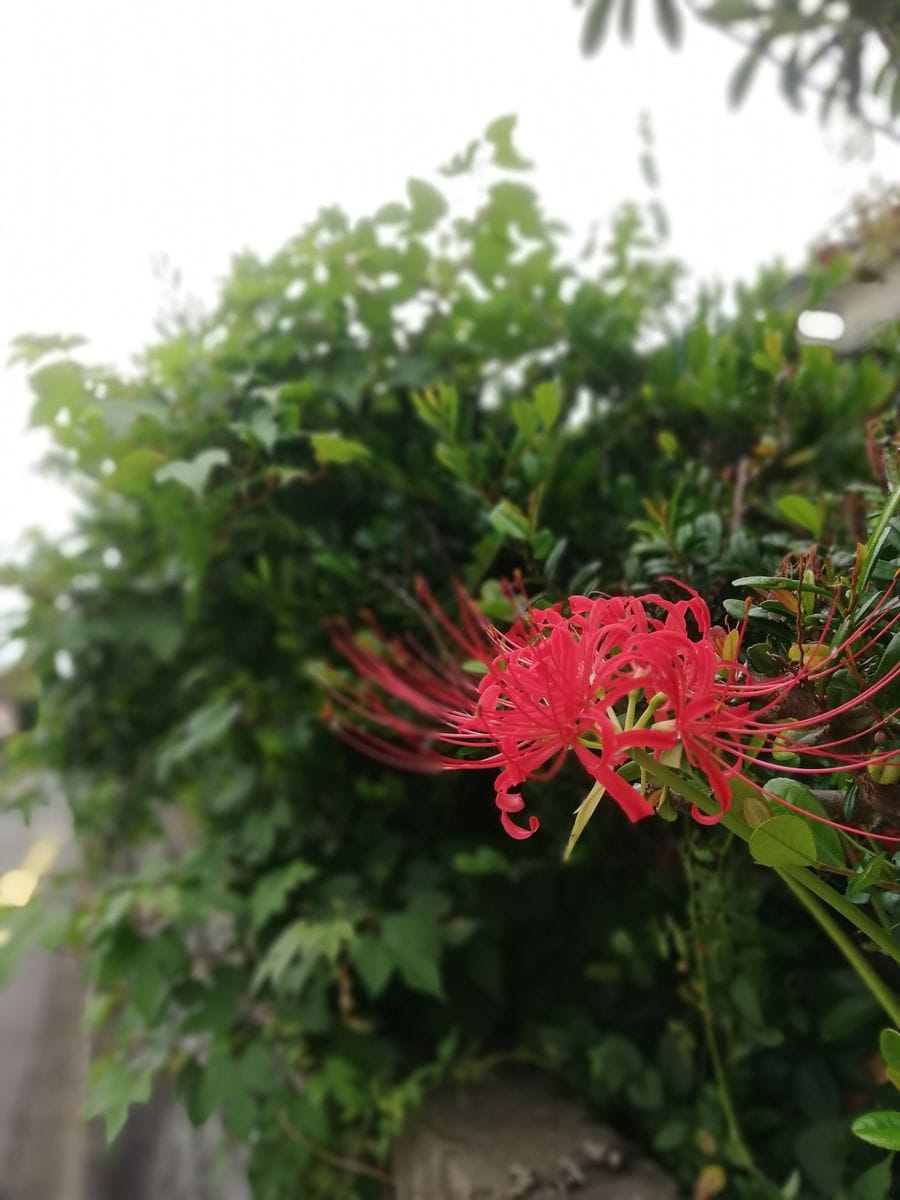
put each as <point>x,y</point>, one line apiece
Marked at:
<point>800,876</point>
<point>853,955</point>
<point>849,911</point>
<point>701,973</point>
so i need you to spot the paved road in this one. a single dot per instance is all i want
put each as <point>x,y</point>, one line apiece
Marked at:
<point>46,1150</point>
<point>43,1056</point>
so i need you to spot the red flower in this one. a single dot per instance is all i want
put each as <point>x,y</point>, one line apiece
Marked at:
<point>598,677</point>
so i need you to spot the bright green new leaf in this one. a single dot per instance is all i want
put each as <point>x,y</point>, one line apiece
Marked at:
<point>548,402</point>
<point>583,814</point>
<point>801,511</point>
<point>333,448</point>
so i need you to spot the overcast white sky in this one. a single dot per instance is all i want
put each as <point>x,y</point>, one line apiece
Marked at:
<point>194,128</point>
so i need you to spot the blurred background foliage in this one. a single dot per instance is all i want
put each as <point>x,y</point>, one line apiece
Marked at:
<point>304,941</point>
<point>842,54</point>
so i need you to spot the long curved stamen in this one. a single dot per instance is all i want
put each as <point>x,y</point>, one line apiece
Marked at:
<point>572,677</point>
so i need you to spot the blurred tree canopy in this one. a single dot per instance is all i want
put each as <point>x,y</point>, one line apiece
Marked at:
<point>844,52</point>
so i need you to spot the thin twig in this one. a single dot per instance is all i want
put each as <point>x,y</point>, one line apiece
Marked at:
<point>350,1165</point>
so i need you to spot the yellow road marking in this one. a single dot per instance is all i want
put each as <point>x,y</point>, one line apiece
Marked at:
<point>18,885</point>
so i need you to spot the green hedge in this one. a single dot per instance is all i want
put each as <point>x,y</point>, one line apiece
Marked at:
<point>454,394</point>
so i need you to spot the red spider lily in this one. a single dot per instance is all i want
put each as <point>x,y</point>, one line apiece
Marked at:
<point>573,677</point>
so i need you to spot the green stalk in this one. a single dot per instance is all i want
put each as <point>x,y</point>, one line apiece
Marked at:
<point>854,957</point>
<point>720,1075</point>
<point>800,876</point>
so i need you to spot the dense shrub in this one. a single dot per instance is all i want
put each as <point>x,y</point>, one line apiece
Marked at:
<point>301,939</point>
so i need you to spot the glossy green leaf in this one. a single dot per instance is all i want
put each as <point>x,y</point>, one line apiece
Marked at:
<point>783,842</point>
<point>880,1128</point>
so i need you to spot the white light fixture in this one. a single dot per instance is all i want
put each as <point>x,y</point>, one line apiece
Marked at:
<point>820,325</point>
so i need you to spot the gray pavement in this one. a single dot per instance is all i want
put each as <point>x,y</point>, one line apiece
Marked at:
<point>47,1152</point>
<point>43,1055</point>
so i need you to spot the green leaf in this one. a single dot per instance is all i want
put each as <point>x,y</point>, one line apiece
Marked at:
<point>525,417</point>
<point>29,348</point>
<point>374,962</point>
<point>878,538</point>
<point>58,386</point>
<point>743,77</point>
<point>292,957</point>
<point>783,842</point>
<point>333,448</point>
<point>781,583</point>
<point>427,205</point>
<point>879,1128</point>
<point>829,849</point>
<point>874,1184</point>
<point>507,518</point>
<point>500,133</point>
<point>270,894</point>
<point>889,1043</point>
<point>391,214</point>
<point>412,940</point>
<point>669,20</point>
<point>439,408</point>
<point>204,728</point>
<point>548,402</point>
<point>889,661</point>
<point>626,19</point>
<point>723,12</point>
<point>114,1085</point>
<point>192,473</point>
<point>801,511</point>
<point>483,860</point>
<point>461,164</point>
<point>596,22</point>
<point>847,1017</point>
<point>583,814</point>
<point>868,874</point>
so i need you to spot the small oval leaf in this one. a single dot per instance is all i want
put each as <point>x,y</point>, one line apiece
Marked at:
<point>783,842</point>
<point>879,1128</point>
